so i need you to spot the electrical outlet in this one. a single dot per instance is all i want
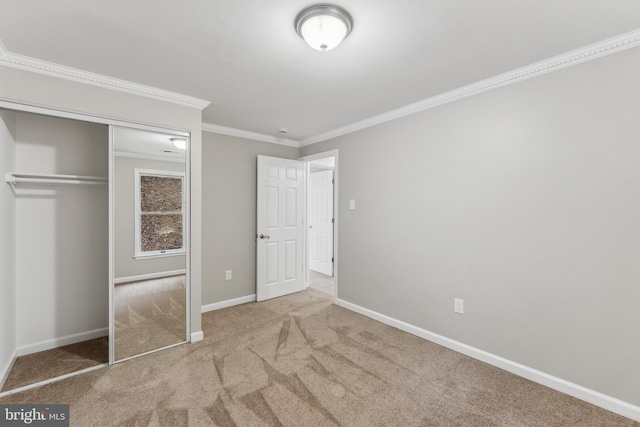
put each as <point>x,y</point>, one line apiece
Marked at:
<point>458,305</point>
<point>228,274</point>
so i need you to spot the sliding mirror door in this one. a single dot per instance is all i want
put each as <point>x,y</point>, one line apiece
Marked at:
<point>149,220</point>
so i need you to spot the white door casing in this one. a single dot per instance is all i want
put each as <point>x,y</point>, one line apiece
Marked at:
<point>320,215</point>
<point>280,227</point>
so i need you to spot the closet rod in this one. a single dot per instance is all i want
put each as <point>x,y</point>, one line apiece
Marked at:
<point>16,178</point>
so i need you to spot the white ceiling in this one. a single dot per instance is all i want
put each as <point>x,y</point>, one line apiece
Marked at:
<point>152,145</point>
<point>246,58</point>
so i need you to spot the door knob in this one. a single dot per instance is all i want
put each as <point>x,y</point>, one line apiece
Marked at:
<point>263,236</point>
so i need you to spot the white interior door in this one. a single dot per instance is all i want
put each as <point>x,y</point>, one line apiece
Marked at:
<point>321,222</point>
<point>280,227</point>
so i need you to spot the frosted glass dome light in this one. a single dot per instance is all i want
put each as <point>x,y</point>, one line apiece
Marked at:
<point>323,26</point>
<point>180,143</point>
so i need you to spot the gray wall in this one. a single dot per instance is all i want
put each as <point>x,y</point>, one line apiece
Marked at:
<point>229,213</point>
<point>124,220</point>
<point>525,202</point>
<point>7,249</point>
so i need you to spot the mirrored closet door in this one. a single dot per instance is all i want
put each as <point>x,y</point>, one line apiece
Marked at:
<point>150,240</point>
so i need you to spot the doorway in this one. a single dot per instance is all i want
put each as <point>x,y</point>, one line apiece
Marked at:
<point>321,221</point>
<point>297,223</point>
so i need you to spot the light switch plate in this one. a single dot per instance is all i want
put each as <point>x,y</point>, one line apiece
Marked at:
<point>352,205</point>
<point>228,274</point>
<point>458,305</point>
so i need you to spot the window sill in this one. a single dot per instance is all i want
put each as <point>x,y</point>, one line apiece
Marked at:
<point>159,255</point>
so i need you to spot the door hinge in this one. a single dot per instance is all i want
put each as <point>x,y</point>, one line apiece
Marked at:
<point>333,220</point>
<point>333,181</point>
<point>331,259</point>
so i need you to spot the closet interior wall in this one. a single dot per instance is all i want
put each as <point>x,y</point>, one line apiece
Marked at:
<point>61,234</point>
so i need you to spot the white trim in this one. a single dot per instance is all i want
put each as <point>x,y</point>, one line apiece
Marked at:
<point>149,157</point>
<point>138,174</point>
<point>591,396</point>
<point>186,236</point>
<point>4,374</point>
<point>208,127</point>
<point>61,341</point>
<point>52,380</point>
<point>155,350</point>
<point>161,254</point>
<point>34,65</point>
<point>112,305</point>
<point>228,303</point>
<point>197,336</point>
<point>28,108</point>
<point>574,57</point>
<point>150,276</point>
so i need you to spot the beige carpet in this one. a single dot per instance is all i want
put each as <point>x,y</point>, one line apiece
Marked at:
<point>301,361</point>
<point>48,364</point>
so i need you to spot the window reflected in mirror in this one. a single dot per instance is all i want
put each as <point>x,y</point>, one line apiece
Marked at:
<point>159,212</point>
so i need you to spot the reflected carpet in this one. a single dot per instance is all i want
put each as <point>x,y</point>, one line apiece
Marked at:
<point>148,315</point>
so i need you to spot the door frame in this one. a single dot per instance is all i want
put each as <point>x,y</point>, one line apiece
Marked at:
<point>336,210</point>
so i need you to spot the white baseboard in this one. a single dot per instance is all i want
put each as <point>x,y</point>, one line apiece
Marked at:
<point>591,396</point>
<point>228,303</point>
<point>150,276</point>
<point>4,374</point>
<point>197,336</point>
<point>59,342</point>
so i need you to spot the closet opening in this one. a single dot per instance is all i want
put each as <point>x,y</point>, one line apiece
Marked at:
<point>57,193</point>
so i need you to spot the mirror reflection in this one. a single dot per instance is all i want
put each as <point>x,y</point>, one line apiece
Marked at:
<point>149,290</point>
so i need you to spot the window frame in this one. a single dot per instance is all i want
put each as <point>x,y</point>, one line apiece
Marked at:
<point>138,174</point>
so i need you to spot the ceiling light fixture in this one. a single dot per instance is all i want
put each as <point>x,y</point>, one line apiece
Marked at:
<point>179,143</point>
<point>323,26</point>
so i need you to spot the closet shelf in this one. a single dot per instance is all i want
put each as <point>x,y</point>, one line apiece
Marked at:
<point>16,178</point>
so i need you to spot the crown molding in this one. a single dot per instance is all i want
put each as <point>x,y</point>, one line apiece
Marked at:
<point>208,127</point>
<point>578,56</point>
<point>26,63</point>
